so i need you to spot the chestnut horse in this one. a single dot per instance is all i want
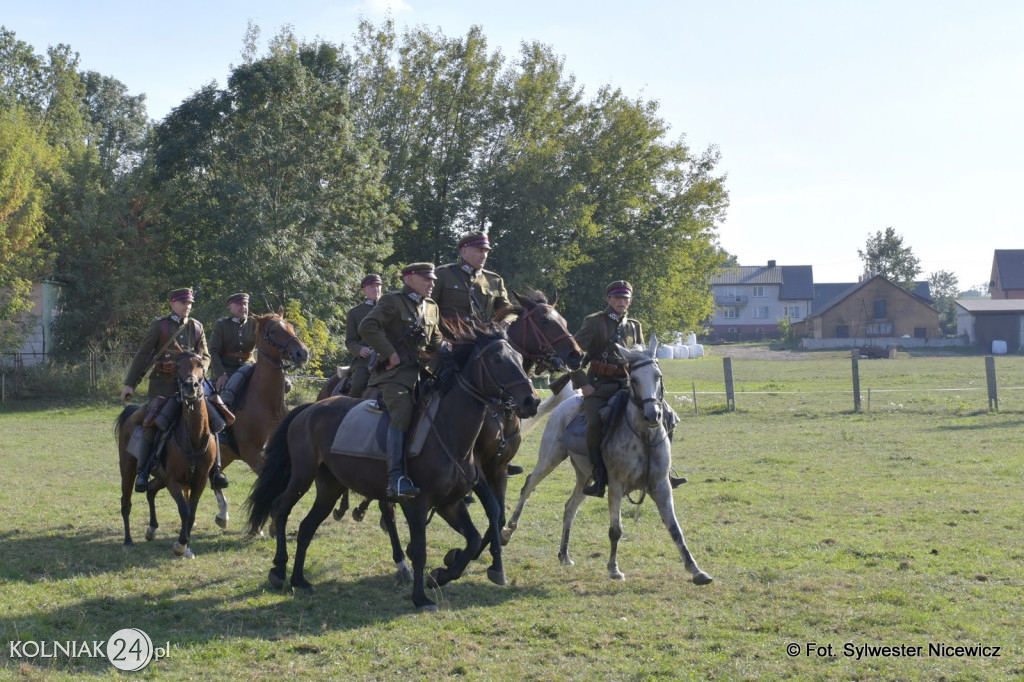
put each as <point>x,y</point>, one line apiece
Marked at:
<point>261,407</point>
<point>479,369</point>
<point>190,453</point>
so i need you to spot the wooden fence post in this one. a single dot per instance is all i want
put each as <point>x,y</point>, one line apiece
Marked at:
<point>695,397</point>
<point>855,355</point>
<point>990,375</point>
<point>730,393</point>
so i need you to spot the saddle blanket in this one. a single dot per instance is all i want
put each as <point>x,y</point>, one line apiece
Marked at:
<point>363,431</point>
<point>574,438</point>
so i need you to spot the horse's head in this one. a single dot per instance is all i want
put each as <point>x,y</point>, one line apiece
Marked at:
<point>492,371</point>
<point>188,369</point>
<point>645,381</point>
<point>276,340</point>
<point>541,334</point>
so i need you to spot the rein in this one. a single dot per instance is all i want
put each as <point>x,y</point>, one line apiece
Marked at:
<point>188,405</point>
<point>284,364</point>
<point>645,436</point>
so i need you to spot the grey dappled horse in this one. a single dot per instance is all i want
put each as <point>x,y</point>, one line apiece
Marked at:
<point>637,454</point>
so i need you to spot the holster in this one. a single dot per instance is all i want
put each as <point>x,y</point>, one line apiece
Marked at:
<point>152,410</point>
<point>606,370</point>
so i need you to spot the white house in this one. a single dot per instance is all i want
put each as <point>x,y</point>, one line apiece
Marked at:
<point>751,299</point>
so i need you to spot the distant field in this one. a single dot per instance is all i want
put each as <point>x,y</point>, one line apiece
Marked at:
<point>899,527</point>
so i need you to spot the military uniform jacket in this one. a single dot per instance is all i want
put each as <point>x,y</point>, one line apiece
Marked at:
<point>187,333</point>
<point>595,338</point>
<point>386,329</point>
<point>353,341</point>
<point>230,341</point>
<point>452,292</point>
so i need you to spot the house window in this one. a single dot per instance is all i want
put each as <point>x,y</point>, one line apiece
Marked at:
<point>878,329</point>
<point>791,311</point>
<point>920,333</point>
<point>761,312</point>
<point>758,292</point>
<point>730,313</point>
<point>843,331</point>
<point>880,310</point>
<point>733,331</point>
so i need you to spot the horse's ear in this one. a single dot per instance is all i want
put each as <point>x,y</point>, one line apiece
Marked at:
<point>524,302</point>
<point>554,298</point>
<point>280,311</point>
<point>652,346</point>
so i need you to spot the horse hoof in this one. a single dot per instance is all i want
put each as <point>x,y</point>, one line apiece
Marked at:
<point>339,513</point>
<point>304,585</point>
<point>222,521</point>
<point>616,575</point>
<point>179,549</point>
<point>451,557</point>
<point>506,535</point>
<point>428,608</point>
<point>496,576</point>
<point>276,578</point>
<point>358,514</point>
<point>128,542</point>
<point>702,578</point>
<point>565,560</point>
<point>150,533</point>
<point>188,553</point>
<point>403,575</point>
<point>437,578</point>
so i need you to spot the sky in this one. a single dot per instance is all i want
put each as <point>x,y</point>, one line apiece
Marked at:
<point>834,120</point>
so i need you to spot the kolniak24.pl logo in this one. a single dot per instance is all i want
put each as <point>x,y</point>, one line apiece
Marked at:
<point>127,649</point>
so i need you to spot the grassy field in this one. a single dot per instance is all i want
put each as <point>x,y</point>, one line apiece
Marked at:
<point>897,527</point>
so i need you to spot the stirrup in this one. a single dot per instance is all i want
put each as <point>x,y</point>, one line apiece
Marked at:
<point>595,489</point>
<point>395,492</point>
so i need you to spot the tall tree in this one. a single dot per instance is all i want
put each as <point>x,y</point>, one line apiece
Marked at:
<point>884,254</point>
<point>944,288</point>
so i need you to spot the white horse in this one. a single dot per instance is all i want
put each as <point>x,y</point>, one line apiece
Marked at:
<point>637,455</point>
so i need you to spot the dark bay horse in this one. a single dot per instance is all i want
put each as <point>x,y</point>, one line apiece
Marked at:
<point>541,336</point>
<point>191,451</point>
<point>261,408</point>
<point>478,370</point>
<point>637,453</point>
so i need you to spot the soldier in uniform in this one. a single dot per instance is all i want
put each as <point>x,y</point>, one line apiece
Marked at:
<point>606,375</point>
<point>166,337</point>
<point>468,292</point>
<point>231,345</point>
<point>360,366</point>
<point>402,327</point>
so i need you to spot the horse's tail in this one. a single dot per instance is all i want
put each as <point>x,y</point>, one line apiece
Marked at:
<point>275,474</point>
<point>548,405</point>
<point>127,412</point>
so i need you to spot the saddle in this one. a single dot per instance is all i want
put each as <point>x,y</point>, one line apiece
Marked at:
<point>363,431</point>
<point>574,438</point>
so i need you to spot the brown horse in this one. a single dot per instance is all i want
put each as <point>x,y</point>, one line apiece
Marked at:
<point>480,369</point>
<point>261,408</point>
<point>190,453</point>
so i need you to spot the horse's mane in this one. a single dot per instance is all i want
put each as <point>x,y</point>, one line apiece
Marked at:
<point>463,340</point>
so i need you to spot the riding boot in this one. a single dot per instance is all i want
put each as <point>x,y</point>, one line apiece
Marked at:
<point>218,481</point>
<point>600,475</point>
<point>514,469</point>
<point>400,487</point>
<point>676,481</point>
<point>146,462</point>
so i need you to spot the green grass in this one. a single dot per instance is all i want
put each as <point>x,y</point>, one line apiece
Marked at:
<point>894,527</point>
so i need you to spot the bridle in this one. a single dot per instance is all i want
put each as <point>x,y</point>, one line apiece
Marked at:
<point>285,363</point>
<point>189,404</point>
<point>475,366</point>
<point>548,357</point>
<point>659,394</point>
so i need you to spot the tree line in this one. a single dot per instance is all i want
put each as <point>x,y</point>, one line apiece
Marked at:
<point>319,162</point>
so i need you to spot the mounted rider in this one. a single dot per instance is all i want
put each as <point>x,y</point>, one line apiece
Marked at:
<point>231,349</point>
<point>466,291</point>
<point>606,374</point>
<point>403,328</point>
<point>359,368</point>
<point>167,337</point>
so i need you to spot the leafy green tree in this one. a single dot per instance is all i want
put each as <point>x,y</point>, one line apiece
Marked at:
<point>26,163</point>
<point>265,186</point>
<point>944,288</point>
<point>884,254</point>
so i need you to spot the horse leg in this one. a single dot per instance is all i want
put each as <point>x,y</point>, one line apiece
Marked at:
<point>328,490</point>
<point>416,517</point>
<point>662,495</point>
<point>491,504</point>
<point>572,505</point>
<point>339,513</point>
<point>184,512</point>
<point>548,459</point>
<point>387,521</point>
<point>151,499</point>
<point>280,509</point>
<point>127,488</point>
<point>222,517</point>
<point>614,529</point>
<point>456,560</point>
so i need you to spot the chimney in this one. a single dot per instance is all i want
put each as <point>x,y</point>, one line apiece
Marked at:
<point>771,264</point>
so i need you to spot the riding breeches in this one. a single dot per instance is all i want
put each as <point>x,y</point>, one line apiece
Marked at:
<point>592,405</point>
<point>399,401</point>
